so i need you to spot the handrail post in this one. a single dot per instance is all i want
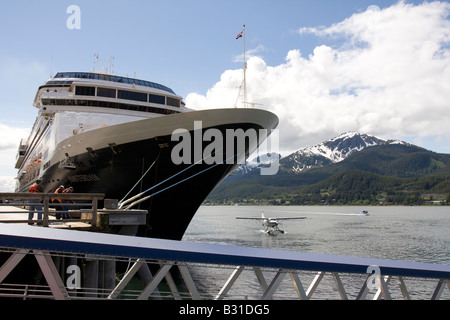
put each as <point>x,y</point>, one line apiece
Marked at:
<point>94,211</point>
<point>45,217</point>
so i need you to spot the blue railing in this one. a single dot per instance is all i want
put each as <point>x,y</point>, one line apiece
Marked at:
<point>168,253</point>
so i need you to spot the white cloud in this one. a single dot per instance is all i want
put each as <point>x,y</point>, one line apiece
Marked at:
<point>9,144</point>
<point>11,137</point>
<point>389,76</point>
<point>7,184</point>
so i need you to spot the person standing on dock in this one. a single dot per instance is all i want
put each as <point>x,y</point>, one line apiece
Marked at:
<point>36,204</point>
<point>58,202</point>
<point>65,208</point>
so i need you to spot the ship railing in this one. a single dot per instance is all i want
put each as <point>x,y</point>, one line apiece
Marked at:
<point>14,204</point>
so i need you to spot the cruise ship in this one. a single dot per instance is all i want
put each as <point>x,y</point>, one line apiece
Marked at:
<point>104,133</point>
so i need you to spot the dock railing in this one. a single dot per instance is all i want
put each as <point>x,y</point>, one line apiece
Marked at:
<point>44,200</point>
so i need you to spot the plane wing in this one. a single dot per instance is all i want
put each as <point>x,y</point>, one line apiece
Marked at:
<point>289,218</point>
<point>282,218</point>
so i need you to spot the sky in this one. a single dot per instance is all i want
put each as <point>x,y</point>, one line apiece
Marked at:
<point>324,67</point>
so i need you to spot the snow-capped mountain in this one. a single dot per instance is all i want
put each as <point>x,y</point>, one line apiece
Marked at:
<point>332,151</point>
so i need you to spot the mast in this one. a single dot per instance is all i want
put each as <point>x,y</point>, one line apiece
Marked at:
<point>245,69</point>
<point>243,87</point>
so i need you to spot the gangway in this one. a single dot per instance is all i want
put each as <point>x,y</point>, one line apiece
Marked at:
<point>48,245</point>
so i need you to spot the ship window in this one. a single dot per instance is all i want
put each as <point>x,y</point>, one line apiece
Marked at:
<point>108,104</point>
<point>95,76</point>
<point>106,92</point>
<point>153,98</point>
<point>47,102</point>
<point>131,95</point>
<point>173,102</point>
<point>85,91</point>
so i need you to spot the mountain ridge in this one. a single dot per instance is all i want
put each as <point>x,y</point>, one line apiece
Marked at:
<point>326,153</point>
<point>333,150</point>
<point>364,168</point>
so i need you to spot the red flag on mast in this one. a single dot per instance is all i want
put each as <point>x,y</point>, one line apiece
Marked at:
<point>239,35</point>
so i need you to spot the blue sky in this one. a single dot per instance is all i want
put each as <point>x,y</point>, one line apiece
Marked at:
<point>189,46</point>
<point>187,43</point>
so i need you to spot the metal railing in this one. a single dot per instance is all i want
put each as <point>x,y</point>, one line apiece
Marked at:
<point>272,274</point>
<point>15,202</point>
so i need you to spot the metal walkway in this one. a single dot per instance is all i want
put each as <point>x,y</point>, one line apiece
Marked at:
<point>269,266</point>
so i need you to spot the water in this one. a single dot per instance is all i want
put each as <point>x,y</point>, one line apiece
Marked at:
<point>394,232</point>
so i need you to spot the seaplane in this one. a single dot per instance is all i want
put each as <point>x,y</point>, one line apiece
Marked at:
<point>271,224</point>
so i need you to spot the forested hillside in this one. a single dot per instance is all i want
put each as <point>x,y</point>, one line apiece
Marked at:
<point>382,174</point>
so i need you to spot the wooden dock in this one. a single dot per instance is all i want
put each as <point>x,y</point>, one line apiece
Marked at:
<point>83,215</point>
<point>20,214</point>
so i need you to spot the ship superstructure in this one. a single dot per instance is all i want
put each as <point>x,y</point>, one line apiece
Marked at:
<point>76,102</point>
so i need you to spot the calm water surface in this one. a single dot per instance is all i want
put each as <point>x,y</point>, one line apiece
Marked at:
<point>394,232</point>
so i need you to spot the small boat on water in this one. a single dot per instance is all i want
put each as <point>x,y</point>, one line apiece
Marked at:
<point>364,212</point>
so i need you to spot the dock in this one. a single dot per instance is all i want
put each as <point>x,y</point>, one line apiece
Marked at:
<point>10,214</point>
<point>14,208</point>
<point>87,265</point>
